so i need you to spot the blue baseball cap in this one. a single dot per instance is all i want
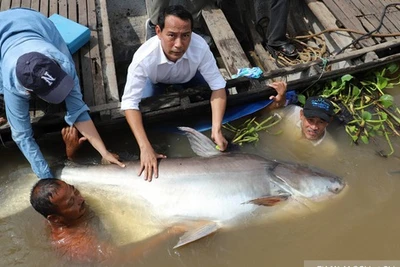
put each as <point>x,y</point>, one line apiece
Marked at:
<point>43,76</point>
<point>320,107</point>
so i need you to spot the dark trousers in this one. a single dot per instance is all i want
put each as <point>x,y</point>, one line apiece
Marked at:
<point>277,11</point>
<point>232,14</point>
<point>151,89</point>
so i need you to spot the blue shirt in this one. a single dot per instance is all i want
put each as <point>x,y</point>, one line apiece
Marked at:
<point>23,31</point>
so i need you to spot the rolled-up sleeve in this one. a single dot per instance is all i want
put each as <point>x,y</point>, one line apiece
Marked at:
<point>77,110</point>
<point>133,91</point>
<point>17,110</point>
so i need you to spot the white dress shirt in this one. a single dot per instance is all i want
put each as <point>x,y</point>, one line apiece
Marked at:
<point>150,62</point>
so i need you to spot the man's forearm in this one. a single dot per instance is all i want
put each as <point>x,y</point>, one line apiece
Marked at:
<point>218,105</point>
<point>88,130</point>
<point>32,153</point>
<point>134,118</point>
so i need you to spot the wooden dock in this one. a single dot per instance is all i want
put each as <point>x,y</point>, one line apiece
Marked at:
<point>341,22</point>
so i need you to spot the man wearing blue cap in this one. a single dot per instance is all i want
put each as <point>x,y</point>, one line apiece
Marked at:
<point>304,129</point>
<point>310,122</point>
<point>34,59</point>
<point>314,118</point>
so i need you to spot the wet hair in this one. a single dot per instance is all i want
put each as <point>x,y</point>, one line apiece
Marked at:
<point>177,11</point>
<point>41,193</point>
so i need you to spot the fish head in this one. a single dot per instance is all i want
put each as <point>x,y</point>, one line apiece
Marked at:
<point>309,182</point>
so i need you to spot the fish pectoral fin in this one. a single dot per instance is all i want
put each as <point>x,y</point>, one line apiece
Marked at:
<point>268,200</point>
<point>197,234</point>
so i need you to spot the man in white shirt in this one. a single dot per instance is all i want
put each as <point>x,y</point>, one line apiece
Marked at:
<point>175,56</point>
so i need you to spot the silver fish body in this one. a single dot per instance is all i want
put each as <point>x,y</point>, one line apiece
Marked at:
<point>215,187</point>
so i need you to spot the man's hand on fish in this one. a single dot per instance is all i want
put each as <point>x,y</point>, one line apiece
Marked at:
<point>219,139</point>
<point>149,164</point>
<point>112,158</point>
<point>72,142</point>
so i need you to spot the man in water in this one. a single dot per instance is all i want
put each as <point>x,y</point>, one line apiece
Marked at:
<point>74,229</point>
<point>312,120</point>
<point>304,130</point>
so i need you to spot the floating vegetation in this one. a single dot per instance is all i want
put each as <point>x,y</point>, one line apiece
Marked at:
<point>248,131</point>
<point>365,105</point>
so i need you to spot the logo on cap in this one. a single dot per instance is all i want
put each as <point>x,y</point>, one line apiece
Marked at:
<point>48,78</point>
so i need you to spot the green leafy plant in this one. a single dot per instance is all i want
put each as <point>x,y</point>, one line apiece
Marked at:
<point>247,132</point>
<point>365,105</point>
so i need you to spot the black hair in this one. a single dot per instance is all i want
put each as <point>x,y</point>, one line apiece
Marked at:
<point>41,193</point>
<point>177,11</point>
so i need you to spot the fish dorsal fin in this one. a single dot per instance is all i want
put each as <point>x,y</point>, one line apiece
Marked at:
<point>200,144</point>
<point>197,233</point>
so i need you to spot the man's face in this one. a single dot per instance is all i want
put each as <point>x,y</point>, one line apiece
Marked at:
<point>312,128</point>
<point>175,37</point>
<point>69,201</point>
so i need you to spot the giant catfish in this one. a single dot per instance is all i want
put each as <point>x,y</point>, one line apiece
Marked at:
<point>215,187</point>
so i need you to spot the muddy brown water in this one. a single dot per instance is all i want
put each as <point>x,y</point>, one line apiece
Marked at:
<point>362,224</point>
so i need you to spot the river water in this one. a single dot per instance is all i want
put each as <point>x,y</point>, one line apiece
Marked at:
<point>359,225</point>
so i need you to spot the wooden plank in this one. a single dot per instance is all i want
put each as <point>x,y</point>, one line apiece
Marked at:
<point>105,43</point>
<point>5,4</point>
<point>97,72</point>
<point>53,7</point>
<point>328,21</point>
<point>15,3</point>
<point>349,8</point>
<point>63,8</point>
<point>368,26</point>
<point>85,59</point>
<point>385,29</point>
<point>228,46</point>
<point>369,19</point>
<point>370,14</point>
<point>72,10</point>
<point>393,11</point>
<point>392,14</point>
<point>26,3</point>
<point>35,4</point>
<point>364,6</point>
<point>44,7</point>
<point>351,23</point>
<point>73,15</point>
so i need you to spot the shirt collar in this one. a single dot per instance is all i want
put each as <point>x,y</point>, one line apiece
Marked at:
<point>165,60</point>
